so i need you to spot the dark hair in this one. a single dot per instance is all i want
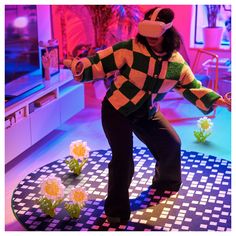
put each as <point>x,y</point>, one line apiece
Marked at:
<point>171,38</point>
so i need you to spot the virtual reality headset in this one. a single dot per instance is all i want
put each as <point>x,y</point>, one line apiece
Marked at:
<point>152,28</point>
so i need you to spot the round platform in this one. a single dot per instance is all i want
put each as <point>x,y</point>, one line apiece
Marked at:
<point>203,202</point>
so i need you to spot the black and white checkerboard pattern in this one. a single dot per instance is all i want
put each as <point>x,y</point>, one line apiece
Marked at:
<point>202,204</point>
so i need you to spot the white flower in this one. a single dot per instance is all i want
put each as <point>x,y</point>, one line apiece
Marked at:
<point>78,196</point>
<point>52,188</point>
<point>79,150</point>
<point>205,124</point>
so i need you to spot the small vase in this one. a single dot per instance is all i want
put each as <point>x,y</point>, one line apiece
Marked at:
<point>212,37</point>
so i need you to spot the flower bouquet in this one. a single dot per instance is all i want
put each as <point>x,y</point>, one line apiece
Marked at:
<point>52,191</point>
<point>77,198</point>
<point>205,127</point>
<point>79,151</point>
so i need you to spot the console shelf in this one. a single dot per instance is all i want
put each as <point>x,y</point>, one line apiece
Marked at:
<point>32,118</point>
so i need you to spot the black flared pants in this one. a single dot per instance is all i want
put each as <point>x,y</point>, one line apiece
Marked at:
<point>156,133</point>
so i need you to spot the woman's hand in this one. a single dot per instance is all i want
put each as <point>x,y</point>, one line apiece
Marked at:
<point>76,67</point>
<point>79,68</point>
<point>222,102</point>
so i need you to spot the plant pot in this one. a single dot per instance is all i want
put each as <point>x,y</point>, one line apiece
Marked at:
<point>212,37</point>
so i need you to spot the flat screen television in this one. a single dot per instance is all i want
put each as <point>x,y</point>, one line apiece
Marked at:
<point>21,50</point>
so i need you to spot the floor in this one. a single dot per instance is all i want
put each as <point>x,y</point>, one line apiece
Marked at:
<point>86,125</point>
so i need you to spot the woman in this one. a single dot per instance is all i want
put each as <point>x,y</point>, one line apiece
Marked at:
<point>147,67</point>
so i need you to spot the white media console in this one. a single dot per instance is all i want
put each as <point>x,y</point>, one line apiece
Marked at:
<point>32,118</point>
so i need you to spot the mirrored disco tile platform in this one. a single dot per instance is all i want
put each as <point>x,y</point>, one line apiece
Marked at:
<point>202,204</point>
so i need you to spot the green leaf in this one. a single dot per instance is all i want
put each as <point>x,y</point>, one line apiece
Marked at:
<point>75,166</point>
<point>73,210</point>
<point>201,136</point>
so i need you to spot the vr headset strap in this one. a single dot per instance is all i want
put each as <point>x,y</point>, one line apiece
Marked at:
<point>155,14</point>
<point>167,26</point>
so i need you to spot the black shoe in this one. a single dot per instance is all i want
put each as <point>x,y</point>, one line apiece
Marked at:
<point>166,186</point>
<point>117,220</point>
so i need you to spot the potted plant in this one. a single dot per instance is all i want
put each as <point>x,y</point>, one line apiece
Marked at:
<point>212,34</point>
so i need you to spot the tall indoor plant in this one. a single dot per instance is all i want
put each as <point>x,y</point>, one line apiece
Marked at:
<point>212,34</point>
<point>110,22</point>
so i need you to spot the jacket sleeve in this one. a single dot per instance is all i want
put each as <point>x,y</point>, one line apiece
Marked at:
<point>191,89</point>
<point>105,62</point>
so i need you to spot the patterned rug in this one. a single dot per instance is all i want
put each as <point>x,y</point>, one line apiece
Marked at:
<point>202,204</point>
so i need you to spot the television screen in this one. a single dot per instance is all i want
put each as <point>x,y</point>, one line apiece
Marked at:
<point>21,41</point>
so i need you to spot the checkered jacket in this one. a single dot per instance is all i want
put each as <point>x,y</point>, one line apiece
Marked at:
<point>143,75</point>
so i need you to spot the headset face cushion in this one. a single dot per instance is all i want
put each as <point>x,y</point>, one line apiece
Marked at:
<point>152,29</point>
